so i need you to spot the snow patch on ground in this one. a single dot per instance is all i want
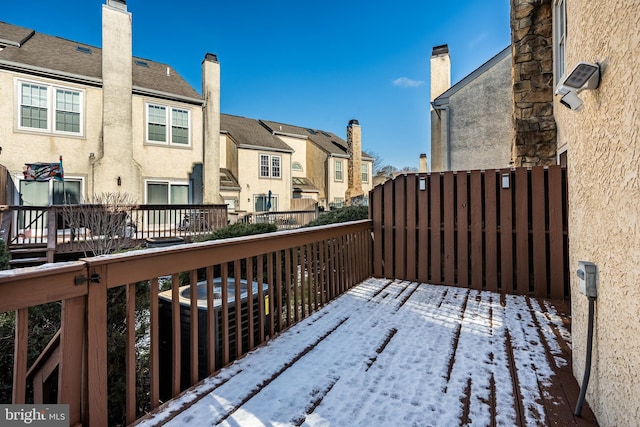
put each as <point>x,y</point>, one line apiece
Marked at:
<point>388,353</point>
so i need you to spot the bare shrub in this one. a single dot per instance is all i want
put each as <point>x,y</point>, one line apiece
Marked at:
<point>107,217</point>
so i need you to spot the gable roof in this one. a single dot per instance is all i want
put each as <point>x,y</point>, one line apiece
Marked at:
<point>326,141</point>
<point>35,53</point>
<point>249,133</point>
<point>444,98</point>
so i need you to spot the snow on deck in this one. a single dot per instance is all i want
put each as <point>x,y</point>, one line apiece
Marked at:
<point>392,353</point>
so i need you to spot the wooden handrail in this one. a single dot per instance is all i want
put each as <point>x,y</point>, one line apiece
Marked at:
<point>326,261</point>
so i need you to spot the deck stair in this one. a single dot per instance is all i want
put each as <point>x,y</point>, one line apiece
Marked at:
<point>29,256</point>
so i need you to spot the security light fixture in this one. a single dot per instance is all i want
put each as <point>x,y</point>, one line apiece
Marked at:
<point>571,100</point>
<point>584,76</point>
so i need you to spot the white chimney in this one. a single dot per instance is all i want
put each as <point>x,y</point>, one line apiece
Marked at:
<point>440,71</point>
<point>424,167</point>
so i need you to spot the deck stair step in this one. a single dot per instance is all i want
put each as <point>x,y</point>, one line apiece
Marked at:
<point>27,256</point>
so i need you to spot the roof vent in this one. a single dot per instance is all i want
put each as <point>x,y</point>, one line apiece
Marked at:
<point>141,63</point>
<point>83,49</point>
<point>168,72</point>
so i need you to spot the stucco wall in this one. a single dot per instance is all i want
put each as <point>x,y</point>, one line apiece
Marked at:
<point>24,146</point>
<point>316,170</point>
<point>163,161</point>
<point>481,129</point>
<point>251,183</point>
<point>603,143</point>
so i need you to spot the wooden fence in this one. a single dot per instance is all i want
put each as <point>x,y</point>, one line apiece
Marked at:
<point>502,230</point>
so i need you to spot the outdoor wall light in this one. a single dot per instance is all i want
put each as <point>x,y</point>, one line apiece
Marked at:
<point>584,76</point>
<point>505,180</point>
<point>119,181</point>
<point>423,183</point>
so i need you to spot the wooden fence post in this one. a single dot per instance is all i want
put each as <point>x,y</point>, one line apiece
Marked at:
<point>97,346</point>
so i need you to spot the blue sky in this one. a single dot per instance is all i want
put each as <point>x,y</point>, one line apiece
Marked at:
<point>311,64</point>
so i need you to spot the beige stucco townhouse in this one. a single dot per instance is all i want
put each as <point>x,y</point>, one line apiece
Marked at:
<point>471,124</point>
<point>120,123</point>
<point>601,145</point>
<point>322,161</point>
<point>259,162</point>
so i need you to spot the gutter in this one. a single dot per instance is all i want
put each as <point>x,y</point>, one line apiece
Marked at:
<point>445,108</point>
<point>91,81</point>
<point>166,95</point>
<point>47,72</point>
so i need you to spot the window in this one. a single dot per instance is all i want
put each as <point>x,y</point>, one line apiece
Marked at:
<point>338,170</point>
<point>41,105</point>
<point>231,204</point>
<point>559,38</point>
<point>67,111</point>
<point>158,118</point>
<point>45,193</point>
<point>165,192</point>
<point>270,166</point>
<point>296,166</point>
<point>265,202</point>
<point>365,173</point>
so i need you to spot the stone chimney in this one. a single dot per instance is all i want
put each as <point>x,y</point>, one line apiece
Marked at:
<point>534,141</point>
<point>354,149</point>
<point>424,167</point>
<point>116,166</point>
<point>211,161</point>
<point>440,71</point>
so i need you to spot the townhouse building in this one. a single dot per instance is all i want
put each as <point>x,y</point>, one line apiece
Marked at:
<point>120,123</point>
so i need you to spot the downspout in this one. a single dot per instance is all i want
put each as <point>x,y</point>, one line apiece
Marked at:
<point>445,108</point>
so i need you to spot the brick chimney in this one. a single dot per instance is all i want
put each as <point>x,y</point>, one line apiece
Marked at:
<point>440,70</point>
<point>354,150</point>
<point>116,166</point>
<point>424,167</point>
<point>211,116</point>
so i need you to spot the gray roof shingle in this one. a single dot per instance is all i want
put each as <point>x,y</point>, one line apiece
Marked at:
<point>39,53</point>
<point>327,141</point>
<point>249,133</point>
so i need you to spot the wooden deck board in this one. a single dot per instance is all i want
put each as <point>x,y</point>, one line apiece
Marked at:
<point>453,369</point>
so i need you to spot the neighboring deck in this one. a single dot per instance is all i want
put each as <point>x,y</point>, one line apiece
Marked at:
<point>392,353</point>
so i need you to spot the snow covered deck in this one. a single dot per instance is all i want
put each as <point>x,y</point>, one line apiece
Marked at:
<point>392,353</point>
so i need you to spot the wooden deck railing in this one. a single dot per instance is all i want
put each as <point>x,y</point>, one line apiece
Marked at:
<point>284,220</point>
<point>288,275</point>
<point>38,225</point>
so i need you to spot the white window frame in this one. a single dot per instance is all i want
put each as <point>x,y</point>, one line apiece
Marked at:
<point>50,104</point>
<point>364,168</point>
<point>297,166</point>
<point>169,183</point>
<point>267,168</point>
<point>337,171</point>
<point>559,39</point>
<point>169,116</point>
<point>274,201</point>
<point>69,178</point>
